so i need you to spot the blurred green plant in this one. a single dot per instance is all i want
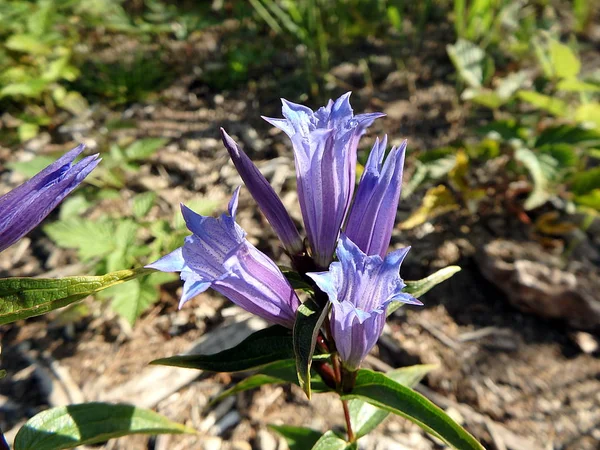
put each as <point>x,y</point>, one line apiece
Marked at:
<point>126,238</point>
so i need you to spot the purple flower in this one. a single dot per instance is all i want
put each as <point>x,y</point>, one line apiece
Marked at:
<point>23,208</point>
<point>218,256</point>
<point>265,196</point>
<point>325,144</point>
<point>360,287</point>
<point>373,212</point>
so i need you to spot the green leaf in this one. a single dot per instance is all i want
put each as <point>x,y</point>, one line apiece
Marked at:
<point>27,43</point>
<point>331,441</point>
<point>385,393</point>
<point>296,281</point>
<point>277,372</point>
<point>21,298</point>
<point>32,167</point>
<point>28,131</point>
<point>568,134</point>
<point>585,182</point>
<point>132,299</point>
<point>589,113</point>
<point>591,199</point>
<point>260,348</point>
<point>142,203</point>
<point>365,417</point>
<point>30,88</point>
<point>552,105</point>
<point>309,319</point>
<point>73,206</point>
<point>532,163</point>
<point>297,438</point>
<point>565,62</point>
<point>469,61</point>
<point>90,423</point>
<point>575,85</point>
<point>144,148</point>
<point>91,239</point>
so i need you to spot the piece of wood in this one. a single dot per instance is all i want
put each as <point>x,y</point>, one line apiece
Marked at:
<point>156,383</point>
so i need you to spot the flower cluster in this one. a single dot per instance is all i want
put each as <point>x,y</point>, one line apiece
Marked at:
<point>354,228</point>
<point>23,208</point>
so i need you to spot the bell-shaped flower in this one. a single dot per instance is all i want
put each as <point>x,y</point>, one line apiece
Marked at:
<point>23,208</point>
<point>360,287</point>
<point>268,201</point>
<point>325,143</point>
<point>371,219</point>
<point>217,255</point>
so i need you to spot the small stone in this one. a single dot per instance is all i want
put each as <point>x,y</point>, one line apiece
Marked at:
<point>265,440</point>
<point>586,342</point>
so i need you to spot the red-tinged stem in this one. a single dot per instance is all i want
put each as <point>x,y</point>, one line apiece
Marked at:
<point>348,423</point>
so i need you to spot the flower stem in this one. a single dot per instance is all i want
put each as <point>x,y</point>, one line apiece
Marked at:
<point>348,423</point>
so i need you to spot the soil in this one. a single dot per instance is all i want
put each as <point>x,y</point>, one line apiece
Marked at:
<point>527,374</point>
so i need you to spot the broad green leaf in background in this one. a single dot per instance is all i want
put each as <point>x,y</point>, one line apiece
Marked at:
<point>589,113</point>
<point>309,319</point>
<point>331,441</point>
<point>365,417</point>
<point>469,61</point>
<point>132,299</point>
<point>142,203</point>
<point>297,438</point>
<point>585,182</point>
<point>90,423</point>
<point>260,348</point>
<point>591,199</point>
<point>568,134</point>
<point>27,43</point>
<point>575,85</point>
<point>383,392</point>
<point>296,281</point>
<point>21,298</point>
<point>91,239</point>
<point>540,193</point>
<point>565,62</point>
<point>144,148</point>
<point>546,103</point>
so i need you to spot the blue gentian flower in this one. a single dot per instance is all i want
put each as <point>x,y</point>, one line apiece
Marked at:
<point>268,201</point>
<point>371,219</point>
<point>360,287</point>
<point>217,255</point>
<point>23,208</point>
<point>325,143</point>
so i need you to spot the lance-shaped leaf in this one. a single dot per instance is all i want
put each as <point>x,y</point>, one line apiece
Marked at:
<point>419,287</point>
<point>385,393</point>
<point>21,298</point>
<point>297,438</point>
<point>365,417</point>
<point>309,319</point>
<point>89,423</point>
<point>260,348</point>
<point>275,373</point>
<point>331,441</point>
